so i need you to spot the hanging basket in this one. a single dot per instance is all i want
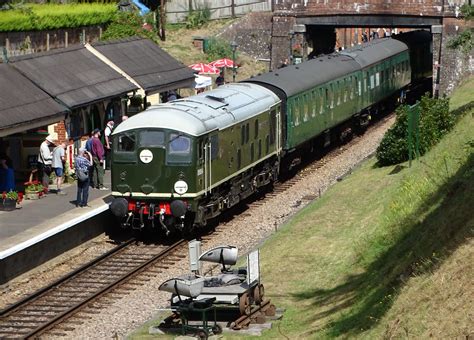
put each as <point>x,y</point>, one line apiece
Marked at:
<point>7,204</point>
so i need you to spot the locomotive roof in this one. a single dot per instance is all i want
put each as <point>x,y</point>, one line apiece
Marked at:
<point>207,111</point>
<point>301,77</point>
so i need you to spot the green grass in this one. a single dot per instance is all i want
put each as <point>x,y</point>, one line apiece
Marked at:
<point>353,262</point>
<point>52,16</point>
<point>463,95</point>
<point>339,265</point>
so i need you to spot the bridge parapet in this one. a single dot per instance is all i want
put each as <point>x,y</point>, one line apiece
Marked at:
<point>433,8</point>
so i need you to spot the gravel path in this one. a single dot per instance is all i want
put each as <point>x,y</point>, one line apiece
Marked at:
<point>127,313</point>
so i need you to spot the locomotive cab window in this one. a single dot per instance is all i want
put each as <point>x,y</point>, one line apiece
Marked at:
<point>179,149</point>
<point>152,138</point>
<point>125,142</point>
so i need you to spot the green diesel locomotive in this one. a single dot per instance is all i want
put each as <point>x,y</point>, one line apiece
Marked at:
<point>179,164</point>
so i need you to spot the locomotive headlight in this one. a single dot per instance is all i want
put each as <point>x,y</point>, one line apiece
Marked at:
<point>181,187</point>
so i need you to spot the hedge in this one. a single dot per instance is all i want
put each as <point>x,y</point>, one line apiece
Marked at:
<point>435,122</point>
<point>35,17</point>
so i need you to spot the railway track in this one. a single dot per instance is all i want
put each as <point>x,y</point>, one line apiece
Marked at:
<point>105,278</point>
<point>316,164</point>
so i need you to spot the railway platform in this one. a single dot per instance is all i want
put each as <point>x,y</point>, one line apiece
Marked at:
<point>39,230</point>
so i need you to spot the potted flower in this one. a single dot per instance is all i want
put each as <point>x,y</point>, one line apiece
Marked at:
<point>33,190</point>
<point>9,200</point>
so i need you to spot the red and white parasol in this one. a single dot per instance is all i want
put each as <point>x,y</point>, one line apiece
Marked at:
<point>204,68</point>
<point>225,62</point>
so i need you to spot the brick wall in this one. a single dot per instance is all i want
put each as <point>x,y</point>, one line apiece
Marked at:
<point>405,7</point>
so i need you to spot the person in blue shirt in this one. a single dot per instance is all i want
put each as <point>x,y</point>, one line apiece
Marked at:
<point>83,163</point>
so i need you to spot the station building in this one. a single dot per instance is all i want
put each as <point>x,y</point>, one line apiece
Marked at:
<point>67,93</point>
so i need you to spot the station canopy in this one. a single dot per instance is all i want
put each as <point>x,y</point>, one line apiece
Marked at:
<point>73,75</point>
<point>23,105</point>
<point>144,61</point>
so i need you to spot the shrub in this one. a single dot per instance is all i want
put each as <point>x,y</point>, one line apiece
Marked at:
<point>435,122</point>
<point>128,24</point>
<point>218,48</point>
<point>197,18</point>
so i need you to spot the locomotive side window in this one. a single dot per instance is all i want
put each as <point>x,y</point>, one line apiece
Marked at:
<point>256,129</point>
<point>242,134</point>
<point>152,138</point>
<point>252,152</point>
<point>214,147</point>
<point>272,127</point>
<point>126,142</point>
<point>247,132</point>
<point>259,148</point>
<point>239,159</point>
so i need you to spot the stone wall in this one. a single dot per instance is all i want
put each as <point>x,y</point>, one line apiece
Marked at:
<point>252,33</point>
<point>455,65</point>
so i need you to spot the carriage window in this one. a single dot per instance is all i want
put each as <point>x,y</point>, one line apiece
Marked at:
<point>321,101</point>
<point>152,138</point>
<point>125,142</point>
<point>338,90</point>
<point>256,128</point>
<point>247,132</point>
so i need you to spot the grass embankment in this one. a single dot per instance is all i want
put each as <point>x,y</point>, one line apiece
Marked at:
<point>35,17</point>
<point>387,252</point>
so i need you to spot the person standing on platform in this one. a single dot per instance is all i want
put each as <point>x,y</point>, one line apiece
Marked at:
<point>7,176</point>
<point>108,142</point>
<point>59,158</point>
<point>97,161</point>
<point>82,164</point>
<point>45,158</point>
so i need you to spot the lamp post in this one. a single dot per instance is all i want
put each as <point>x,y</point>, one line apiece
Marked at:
<point>233,45</point>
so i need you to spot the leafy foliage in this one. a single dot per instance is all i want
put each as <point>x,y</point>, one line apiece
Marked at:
<point>128,24</point>
<point>32,17</point>
<point>435,122</point>
<point>197,18</point>
<point>218,48</point>
<point>465,39</point>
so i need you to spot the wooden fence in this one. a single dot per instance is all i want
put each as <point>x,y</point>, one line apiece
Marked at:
<point>177,10</point>
<point>20,43</point>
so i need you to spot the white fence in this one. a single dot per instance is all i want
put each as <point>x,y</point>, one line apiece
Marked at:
<point>177,10</point>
